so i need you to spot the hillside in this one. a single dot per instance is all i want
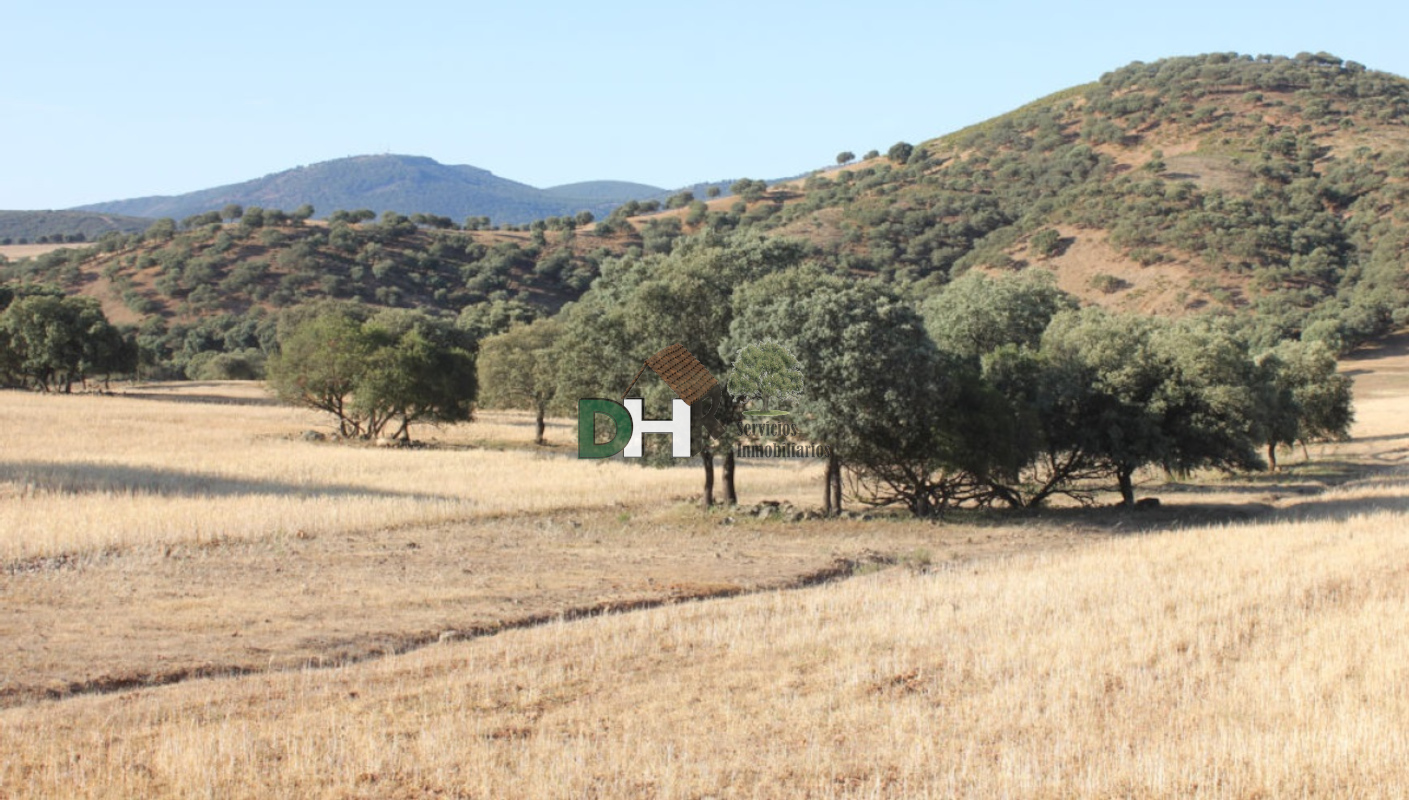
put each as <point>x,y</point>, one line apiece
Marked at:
<point>29,227</point>
<point>406,184</point>
<point>1273,188</point>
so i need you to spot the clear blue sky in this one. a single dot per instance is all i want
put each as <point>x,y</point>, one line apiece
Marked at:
<point>102,101</point>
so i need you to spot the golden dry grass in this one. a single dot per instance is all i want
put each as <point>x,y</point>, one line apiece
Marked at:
<point>1264,660</point>
<point>209,462</point>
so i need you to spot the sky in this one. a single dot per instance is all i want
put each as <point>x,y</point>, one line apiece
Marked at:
<point>105,101</point>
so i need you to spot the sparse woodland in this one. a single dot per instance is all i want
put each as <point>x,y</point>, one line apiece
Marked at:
<point>1257,177</point>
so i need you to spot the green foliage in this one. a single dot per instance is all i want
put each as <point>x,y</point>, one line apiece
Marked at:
<point>900,152</point>
<point>516,370</point>
<point>67,226</point>
<point>765,371</point>
<point>394,368</point>
<point>49,341</point>
<point>749,189</point>
<point>1046,243</point>
<point>976,314</point>
<point>1140,391</point>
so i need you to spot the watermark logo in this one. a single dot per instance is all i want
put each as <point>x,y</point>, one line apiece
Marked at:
<point>682,372</point>
<point>767,374</point>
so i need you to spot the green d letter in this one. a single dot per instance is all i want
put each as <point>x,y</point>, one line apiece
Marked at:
<point>587,410</point>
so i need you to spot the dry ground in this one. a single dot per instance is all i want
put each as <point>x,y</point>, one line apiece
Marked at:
<point>180,530</point>
<point>1251,646</point>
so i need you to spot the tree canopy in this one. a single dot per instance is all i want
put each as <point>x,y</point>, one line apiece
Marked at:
<point>371,373</point>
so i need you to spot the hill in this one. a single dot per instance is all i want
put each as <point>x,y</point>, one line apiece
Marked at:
<point>407,184</point>
<point>606,191</point>
<point>1270,189</point>
<point>29,227</point>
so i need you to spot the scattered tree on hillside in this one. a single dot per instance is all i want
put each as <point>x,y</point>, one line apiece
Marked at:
<point>845,157</point>
<point>749,189</point>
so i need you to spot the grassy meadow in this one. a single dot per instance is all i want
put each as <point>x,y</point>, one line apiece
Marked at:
<point>206,462</point>
<point>200,603</point>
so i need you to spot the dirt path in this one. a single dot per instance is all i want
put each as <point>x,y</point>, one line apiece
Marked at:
<point>110,621</point>
<point>107,621</point>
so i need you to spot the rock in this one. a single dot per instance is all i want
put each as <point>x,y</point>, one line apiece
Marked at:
<point>1147,502</point>
<point>796,516</point>
<point>450,636</point>
<point>314,436</point>
<point>764,512</point>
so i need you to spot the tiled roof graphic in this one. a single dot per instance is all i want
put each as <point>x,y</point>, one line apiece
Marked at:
<point>682,372</point>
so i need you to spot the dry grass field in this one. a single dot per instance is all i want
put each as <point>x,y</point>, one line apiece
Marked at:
<point>204,463</point>
<point>1247,640</point>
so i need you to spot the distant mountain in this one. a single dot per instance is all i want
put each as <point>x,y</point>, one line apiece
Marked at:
<point>1265,190</point>
<point>71,225</point>
<point>606,191</point>
<point>406,184</point>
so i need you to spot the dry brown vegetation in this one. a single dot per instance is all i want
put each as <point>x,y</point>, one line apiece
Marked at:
<point>1250,643</point>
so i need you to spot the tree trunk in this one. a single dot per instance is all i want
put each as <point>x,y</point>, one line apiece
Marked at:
<point>731,497</point>
<point>1127,486</point>
<point>538,436</point>
<point>707,457</point>
<point>1271,456</point>
<point>832,484</point>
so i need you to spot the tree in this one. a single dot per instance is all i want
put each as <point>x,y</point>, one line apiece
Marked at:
<point>53,341</point>
<point>749,189</point>
<point>161,230</point>
<point>302,213</point>
<point>1303,397</point>
<point>1144,391</point>
<point>232,211</point>
<point>421,370</point>
<point>976,314</point>
<point>889,406</point>
<point>900,152</point>
<point>764,371</point>
<point>516,370</point>
<point>318,366</point>
<point>870,154</point>
<point>1046,242</point>
<point>845,157</point>
<point>641,303</point>
<point>397,367</point>
<point>713,192</point>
